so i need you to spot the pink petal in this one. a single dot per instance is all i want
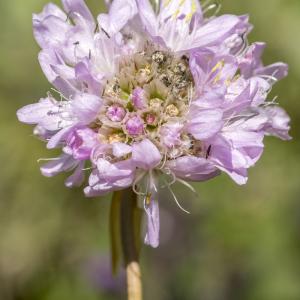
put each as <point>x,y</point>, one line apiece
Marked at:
<point>78,7</point>
<point>193,168</point>
<point>145,155</point>
<point>61,164</point>
<point>120,12</point>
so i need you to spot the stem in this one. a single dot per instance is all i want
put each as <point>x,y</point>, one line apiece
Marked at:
<point>134,283</point>
<point>130,226</point>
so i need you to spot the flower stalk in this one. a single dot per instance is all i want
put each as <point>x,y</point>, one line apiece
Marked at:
<point>125,226</point>
<point>134,283</point>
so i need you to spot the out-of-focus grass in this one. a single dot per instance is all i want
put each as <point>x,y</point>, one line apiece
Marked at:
<point>238,243</point>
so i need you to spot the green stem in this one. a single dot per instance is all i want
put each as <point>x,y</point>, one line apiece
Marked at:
<point>125,205</point>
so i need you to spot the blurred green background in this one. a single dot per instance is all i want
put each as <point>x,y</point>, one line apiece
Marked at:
<point>238,243</point>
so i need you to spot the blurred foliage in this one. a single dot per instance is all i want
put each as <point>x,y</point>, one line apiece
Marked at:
<point>238,243</point>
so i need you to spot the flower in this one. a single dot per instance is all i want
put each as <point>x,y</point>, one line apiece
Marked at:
<point>141,93</point>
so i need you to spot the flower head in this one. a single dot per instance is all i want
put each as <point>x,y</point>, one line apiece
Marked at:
<point>143,92</point>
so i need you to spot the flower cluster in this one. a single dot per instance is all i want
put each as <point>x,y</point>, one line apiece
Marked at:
<point>145,91</point>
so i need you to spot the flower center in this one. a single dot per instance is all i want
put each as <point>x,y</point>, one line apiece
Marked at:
<point>151,89</point>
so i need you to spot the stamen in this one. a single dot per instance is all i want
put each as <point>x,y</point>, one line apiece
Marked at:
<point>105,32</point>
<point>189,186</point>
<point>159,57</point>
<point>164,161</point>
<point>76,44</point>
<point>60,94</point>
<point>173,178</point>
<point>189,16</point>
<point>219,66</point>
<point>176,200</point>
<point>88,169</point>
<point>270,78</point>
<point>213,9</point>
<point>48,159</point>
<point>138,178</point>
<point>244,47</point>
<point>151,181</point>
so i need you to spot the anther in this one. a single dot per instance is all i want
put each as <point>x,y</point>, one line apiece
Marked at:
<point>165,80</point>
<point>159,57</point>
<point>180,69</point>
